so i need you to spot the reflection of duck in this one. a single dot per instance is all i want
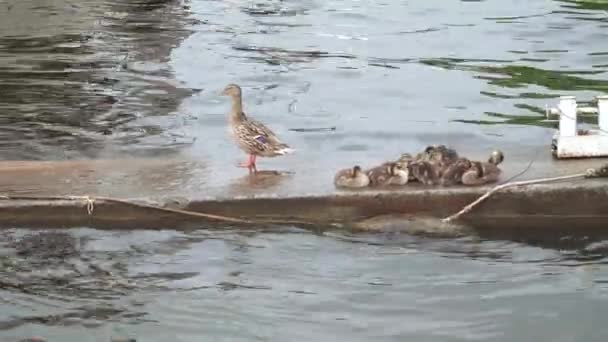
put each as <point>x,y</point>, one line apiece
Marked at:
<point>351,178</point>
<point>261,180</point>
<point>388,174</point>
<point>251,136</point>
<point>482,173</point>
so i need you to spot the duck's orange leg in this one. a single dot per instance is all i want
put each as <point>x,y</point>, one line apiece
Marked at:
<point>250,163</point>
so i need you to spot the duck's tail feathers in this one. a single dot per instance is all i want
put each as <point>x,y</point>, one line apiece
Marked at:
<point>285,150</point>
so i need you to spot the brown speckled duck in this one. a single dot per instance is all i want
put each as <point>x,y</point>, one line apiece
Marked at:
<point>250,135</point>
<point>388,174</point>
<point>351,178</point>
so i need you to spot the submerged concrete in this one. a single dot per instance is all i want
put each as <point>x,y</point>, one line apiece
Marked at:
<point>303,197</point>
<point>556,206</point>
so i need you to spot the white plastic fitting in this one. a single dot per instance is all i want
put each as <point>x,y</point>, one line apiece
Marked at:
<point>602,109</point>
<point>567,119</point>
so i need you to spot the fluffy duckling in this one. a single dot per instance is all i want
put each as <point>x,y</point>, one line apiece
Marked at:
<point>388,174</point>
<point>482,173</point>
<point>429,165</point>
<point>426,172</point>
<point>440,154</point>
<point>404,161</point>
<point>351,178</point>
<point>251,136</point>
<point>453,173</point>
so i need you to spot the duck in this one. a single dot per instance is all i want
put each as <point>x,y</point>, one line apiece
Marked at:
<point>453,173</point>
<point>388,173</point>
<point>428,166</point>
<point>426,172</point>
<point>251,136</point>
<point>481,173</point>
<point>440,154</point>
<point>351,178</point>
<point>404,161</point>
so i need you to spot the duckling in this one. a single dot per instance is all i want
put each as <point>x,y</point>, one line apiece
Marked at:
<point>482,173</point>
<point>454,172</point>
<point>429,165</point>
<point>351,178</point>
<point>426,172</point>
<point>440,153</point>
<point>404,161</point>
<point>251,136</point>
<point>388,174</point>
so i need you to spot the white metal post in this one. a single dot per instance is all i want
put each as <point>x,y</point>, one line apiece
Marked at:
<point>602,113</point>
<point>567,118</point>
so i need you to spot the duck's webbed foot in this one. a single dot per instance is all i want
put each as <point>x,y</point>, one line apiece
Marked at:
<point>249,163</point>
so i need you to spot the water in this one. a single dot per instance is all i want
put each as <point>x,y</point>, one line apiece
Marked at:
<point>286,284</point>
<point>340,81</point>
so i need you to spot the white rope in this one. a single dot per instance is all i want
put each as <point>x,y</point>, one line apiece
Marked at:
<point>89,202</point>
<point>590,173</point>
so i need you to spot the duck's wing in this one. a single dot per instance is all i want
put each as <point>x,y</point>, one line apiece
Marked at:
<point>454,171</point>
<point>471,177</point>
<point>425,172</point>
<point>377,175</point>
<point>491,172</point>
<point>258,136</point>
<point>341,174</point>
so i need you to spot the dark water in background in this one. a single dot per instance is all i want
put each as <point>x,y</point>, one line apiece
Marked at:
<point>108,78</point>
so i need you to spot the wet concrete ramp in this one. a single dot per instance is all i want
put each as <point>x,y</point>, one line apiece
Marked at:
<point>555,207</point>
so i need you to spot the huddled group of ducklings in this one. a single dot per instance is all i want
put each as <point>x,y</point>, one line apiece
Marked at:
<point>436,165</point>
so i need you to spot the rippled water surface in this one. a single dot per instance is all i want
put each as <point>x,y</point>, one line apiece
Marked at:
<point>293,285</point>
<point>338,80</point>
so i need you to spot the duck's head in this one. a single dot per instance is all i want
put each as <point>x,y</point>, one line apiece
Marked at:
<point>396,169</point>
<point>439,153</point>
<point>356,171</point>
<point>496,157</point>
<point>232,90</point>
<point>432,148</point>
<point>405,159</point>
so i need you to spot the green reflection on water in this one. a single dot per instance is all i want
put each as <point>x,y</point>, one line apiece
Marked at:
<point>588,4</point>
<point>518,76</point>
<point>533,120</point>
<point>529,120</point>
<point>521,76</point>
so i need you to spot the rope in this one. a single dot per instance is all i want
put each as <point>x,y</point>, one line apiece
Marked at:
<point>89,203</point>
<point>590,173</point>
